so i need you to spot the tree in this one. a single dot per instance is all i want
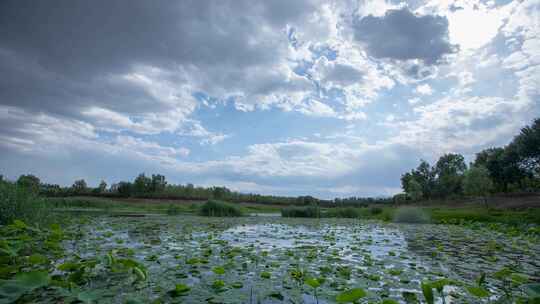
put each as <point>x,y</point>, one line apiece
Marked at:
<point>477,182</point>
<point>30,182</point>
<point>503,166</point>
<point>424,175</point>
<point>142,184</point>
<point>79,186</point>
<point>124,189</point>
<point>527,146</point>
<point>449,171</point>
<point>411,186</point>
<point>415,190</point>
<point>102,186</point>
<point>158,183</point>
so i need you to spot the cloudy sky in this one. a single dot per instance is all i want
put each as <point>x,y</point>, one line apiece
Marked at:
<point>329,98</point>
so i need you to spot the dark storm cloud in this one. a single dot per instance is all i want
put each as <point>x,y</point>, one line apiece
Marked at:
<point>402,35</point>
<point>61,56</point>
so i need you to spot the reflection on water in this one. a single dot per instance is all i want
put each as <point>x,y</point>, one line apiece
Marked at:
<point>377,240</point>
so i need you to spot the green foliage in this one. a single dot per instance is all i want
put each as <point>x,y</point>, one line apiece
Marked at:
<point>102,188</point>
<point>79,187</point>
<point>12,290</point>
<point>478,291</point>
<point>346,212</point>
<point>351,295</point>
<point>515,167</point>
<point>411,215</point>
<point>449,171</point>
<point>477,181</point>
<point>142,184</point>
<point>179,290</point>
<point>173,209</point>
<point>308,211</point>
<point>427,291</point>
<point>30,182</point>
<point>20,202</point>
<point>532,291</point>
<point>313,282</point>
<point>527,146</point>
<point>219,208</point>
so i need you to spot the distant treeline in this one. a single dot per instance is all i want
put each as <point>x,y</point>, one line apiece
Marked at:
<point>512,168</point>
<point>155,186</point>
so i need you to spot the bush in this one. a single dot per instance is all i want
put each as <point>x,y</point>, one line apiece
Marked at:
<point>173,209</point>
<point>411,215</point>
<point>219,208</point>
<point>347,212</point>
<point>375,210</point>
<point>309,211</point>
<point>18,202</point>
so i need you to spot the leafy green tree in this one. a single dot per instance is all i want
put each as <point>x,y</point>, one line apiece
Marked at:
<point>102,188</point>
<point>503,166</point>
<point>142,185</point>
<point>527,146</point>
<point>449,171</point>
<point>158,183</point>
<point>477,182</point>
<point>79,186</point>
<point>124,189</point>
<point>30,182</point>
<point>220,192</point>
<point>415,190</point>
<point>423,175</point>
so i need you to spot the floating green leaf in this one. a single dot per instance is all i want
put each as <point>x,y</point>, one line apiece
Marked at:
<point>478,291</point>
<point>427,290</point>
<point>351,295</point>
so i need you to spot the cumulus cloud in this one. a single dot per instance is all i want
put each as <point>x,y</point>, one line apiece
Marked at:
<point>402,35</point>
<point>424,89</point>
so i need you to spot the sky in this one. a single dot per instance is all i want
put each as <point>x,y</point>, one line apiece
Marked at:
<point>326,98</point>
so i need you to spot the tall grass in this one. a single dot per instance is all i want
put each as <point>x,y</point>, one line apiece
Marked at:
<point>17,202</point>
<point>308,211</point>
<point>219,208</point>
<point>411,215</point>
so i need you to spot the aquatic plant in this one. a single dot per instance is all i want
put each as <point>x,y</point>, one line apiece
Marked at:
<point>307,211</point>
<point>219,209</point>
<point>351,295</point>
<point>18,202</point>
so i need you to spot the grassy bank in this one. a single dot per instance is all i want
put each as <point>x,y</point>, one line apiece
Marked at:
<point>413,214</point>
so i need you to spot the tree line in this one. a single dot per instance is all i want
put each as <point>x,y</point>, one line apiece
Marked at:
<point>512,168</point>
<point>156,186</point>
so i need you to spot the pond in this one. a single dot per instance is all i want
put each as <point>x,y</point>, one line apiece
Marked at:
<point>189,259</point>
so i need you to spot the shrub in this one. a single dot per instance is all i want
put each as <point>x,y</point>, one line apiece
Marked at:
<point>308,211</point>
<point>19,202</point>
<point>375,210</point>
<point>347,212</point>
<point>219,208</point>
<point>411,215</point>
<point>173,209</point>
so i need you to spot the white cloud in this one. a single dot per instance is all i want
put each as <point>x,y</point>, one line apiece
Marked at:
<point>458,124</point>
<point>413,100</point>
<point>424,89</point>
